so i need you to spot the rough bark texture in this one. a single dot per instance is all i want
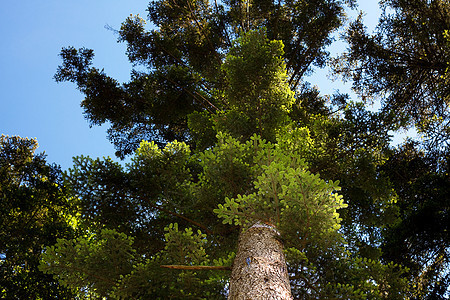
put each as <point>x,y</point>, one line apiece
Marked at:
<point>259,269</point>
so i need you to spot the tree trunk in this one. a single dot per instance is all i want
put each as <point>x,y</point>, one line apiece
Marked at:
<point>259,269</point>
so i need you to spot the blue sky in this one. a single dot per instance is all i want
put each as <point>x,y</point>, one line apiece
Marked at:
<point>33,105</point>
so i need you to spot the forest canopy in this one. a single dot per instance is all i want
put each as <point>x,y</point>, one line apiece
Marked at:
<point>244,181</point>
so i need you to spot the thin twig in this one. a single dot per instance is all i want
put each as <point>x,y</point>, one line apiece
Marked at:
<point>183,267</point>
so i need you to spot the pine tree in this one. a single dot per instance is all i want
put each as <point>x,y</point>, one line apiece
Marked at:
<point>35,212</point>
<point>243,171</point>
<point>404,64</point>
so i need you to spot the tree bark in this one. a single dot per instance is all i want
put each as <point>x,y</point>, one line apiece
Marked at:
<point>259,269</point>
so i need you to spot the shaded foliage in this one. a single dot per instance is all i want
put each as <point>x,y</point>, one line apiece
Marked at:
<point>405,61</point>
<point>179,63</point>
<point>34,213</point>
<point>260,161</point>
<point>420,240</point>
<point>237,134</point>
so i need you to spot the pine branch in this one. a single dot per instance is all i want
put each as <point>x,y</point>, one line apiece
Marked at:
<point>192,94</point>
<point>161,209</point>
<point>184,267</point>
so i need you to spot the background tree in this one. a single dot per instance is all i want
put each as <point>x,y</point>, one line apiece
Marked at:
<point>178,64</point>
<point>34,213</point>
<point>420,241</point>
<point>404,63</point>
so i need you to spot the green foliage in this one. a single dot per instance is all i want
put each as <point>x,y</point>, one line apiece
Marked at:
<point>181,66</point>
<point>185,247</point>
<point>238,139</point>
<point>353,149</point>
<point>149,280</point>
<point>346,277</point>
<point>419,239</point>
<point>405,61</point>
<point>264,167</point>
<point>107,265</point>
<point>257,84</point>
<point>99,187</point>
<point>259,181</point>
<point>35,211</point>
<point>284,193</point>
<point>90,264</point>
<point>201,125</point>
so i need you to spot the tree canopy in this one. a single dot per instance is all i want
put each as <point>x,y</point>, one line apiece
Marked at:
<point>35,212</point>
<point>253,154</point>
<point>405,63</point>
<point>227,140</point>
<point>179,63</point>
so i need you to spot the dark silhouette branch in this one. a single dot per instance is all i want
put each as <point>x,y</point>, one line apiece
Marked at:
<point>183,267</point>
